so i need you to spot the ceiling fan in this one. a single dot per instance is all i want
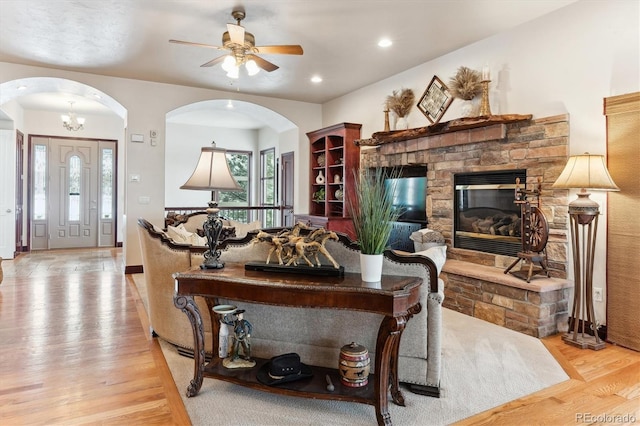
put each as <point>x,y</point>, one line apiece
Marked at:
<point>242,49</point>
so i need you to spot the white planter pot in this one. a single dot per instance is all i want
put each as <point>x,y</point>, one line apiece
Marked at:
<point>371,267</point>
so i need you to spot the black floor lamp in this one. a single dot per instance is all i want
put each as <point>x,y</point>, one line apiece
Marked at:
<point>212,174</point>
<point>584,171</point>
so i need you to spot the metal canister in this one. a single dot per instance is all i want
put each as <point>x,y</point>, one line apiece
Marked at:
<point>354,365</point>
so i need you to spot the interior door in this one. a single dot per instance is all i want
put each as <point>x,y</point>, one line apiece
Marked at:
<point>73,180</point>
<point>7,196</point>
<point>286,161</point>
<point>19,190</point>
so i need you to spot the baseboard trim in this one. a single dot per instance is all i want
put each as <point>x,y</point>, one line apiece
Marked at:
<point>133,269</point>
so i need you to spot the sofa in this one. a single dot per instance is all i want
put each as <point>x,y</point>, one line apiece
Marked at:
<point>191,223</point>
<point>315,334</point>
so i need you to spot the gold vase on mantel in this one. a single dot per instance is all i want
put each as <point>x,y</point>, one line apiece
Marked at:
<point>485,107</point>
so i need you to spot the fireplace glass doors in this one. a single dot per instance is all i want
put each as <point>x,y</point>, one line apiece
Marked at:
<point>485,215</point>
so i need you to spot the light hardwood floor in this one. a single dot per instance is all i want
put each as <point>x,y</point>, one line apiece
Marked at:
<point>75,349</point>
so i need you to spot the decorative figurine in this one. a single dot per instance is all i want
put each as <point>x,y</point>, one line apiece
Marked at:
<point>241,354</point>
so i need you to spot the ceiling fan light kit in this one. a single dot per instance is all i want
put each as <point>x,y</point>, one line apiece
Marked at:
<point>243,50</point>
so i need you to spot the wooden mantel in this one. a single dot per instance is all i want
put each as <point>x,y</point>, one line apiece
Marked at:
<point>458,124</point>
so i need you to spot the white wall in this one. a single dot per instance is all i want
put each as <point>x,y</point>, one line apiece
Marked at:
<point>565,62</point>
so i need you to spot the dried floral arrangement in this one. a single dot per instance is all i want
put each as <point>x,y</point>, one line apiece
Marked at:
<point>466,83</point>
<point>400,102</point>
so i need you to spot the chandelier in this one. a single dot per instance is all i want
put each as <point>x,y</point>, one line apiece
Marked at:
<point>71,121</point>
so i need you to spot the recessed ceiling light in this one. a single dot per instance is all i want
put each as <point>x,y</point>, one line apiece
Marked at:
<point>22,87</point>
<point>97,96</point>
<point>385,42</point>
<point>316,79</point>
<point>229,104</point>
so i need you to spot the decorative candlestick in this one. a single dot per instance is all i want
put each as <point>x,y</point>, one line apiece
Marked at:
<point>485,108</point>
<point>386,120</point>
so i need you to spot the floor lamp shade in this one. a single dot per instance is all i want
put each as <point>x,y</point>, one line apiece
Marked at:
<point>212,173</point>
<point>584,171</point>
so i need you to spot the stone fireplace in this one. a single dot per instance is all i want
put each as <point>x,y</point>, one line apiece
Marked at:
<point>475,282</point>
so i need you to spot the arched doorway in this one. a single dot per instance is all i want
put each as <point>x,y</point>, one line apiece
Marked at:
<point>33,107</point>
<point>264,138</point>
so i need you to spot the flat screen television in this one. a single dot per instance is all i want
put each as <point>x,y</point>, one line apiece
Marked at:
<point>410,192</point>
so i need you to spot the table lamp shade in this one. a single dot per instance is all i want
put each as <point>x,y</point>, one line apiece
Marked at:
<point>212,172</point>
<point>586,171</point>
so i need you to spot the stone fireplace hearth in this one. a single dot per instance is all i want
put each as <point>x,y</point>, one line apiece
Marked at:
<point>474,280</point>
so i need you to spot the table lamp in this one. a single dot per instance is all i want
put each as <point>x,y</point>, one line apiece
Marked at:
<point>584,171</point>
<point>212,174</point>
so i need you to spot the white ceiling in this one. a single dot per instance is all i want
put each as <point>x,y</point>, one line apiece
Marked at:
<point>129,38</point>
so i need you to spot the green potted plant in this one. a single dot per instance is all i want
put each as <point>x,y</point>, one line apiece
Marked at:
<point>373,214</point>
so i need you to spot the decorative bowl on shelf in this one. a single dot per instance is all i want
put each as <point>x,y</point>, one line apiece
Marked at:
<point>322,160</point>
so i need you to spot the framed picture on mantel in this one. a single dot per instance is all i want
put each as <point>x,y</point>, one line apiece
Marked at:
<point>435,100</point>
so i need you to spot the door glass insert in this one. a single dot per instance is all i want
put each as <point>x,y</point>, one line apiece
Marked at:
<point>75,167</point>
<point>106,184</point>
<point>40,182</point>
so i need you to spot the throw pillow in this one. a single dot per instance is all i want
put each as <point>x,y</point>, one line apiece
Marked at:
<point>438,254</point>
<point>178,234</point>
<point>243,228</point>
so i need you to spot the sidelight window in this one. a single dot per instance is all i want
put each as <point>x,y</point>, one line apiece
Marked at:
<point>106,183</point>
<point>40,182</point>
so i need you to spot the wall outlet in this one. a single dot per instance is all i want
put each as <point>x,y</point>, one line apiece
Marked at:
<point>597,294</point>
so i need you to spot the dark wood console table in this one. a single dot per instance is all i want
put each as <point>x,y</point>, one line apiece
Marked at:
<point>397,299</point>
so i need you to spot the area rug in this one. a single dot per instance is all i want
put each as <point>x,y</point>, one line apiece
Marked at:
<point>484,365</point>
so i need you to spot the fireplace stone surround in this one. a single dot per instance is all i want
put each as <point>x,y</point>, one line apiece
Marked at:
<point>475,283</point>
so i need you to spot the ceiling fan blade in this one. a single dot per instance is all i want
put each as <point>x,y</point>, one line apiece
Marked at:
<point>214,61</point>
<point>236,33</point>
<point>190,43</point>
<point>265,65</point>
<point>286,49</point>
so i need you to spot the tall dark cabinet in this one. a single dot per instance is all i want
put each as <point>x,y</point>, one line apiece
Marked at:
<point>333,159</point>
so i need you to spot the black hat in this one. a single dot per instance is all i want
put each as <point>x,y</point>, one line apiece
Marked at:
<point>282,369</point>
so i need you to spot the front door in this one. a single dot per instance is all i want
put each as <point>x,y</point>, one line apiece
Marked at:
<point>73,193</point>
<point>73,171</point>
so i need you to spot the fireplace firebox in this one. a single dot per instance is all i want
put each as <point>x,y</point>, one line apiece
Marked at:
<point>485,215</point>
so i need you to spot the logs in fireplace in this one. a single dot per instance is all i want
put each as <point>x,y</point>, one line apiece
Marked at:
<point>485,215</point>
